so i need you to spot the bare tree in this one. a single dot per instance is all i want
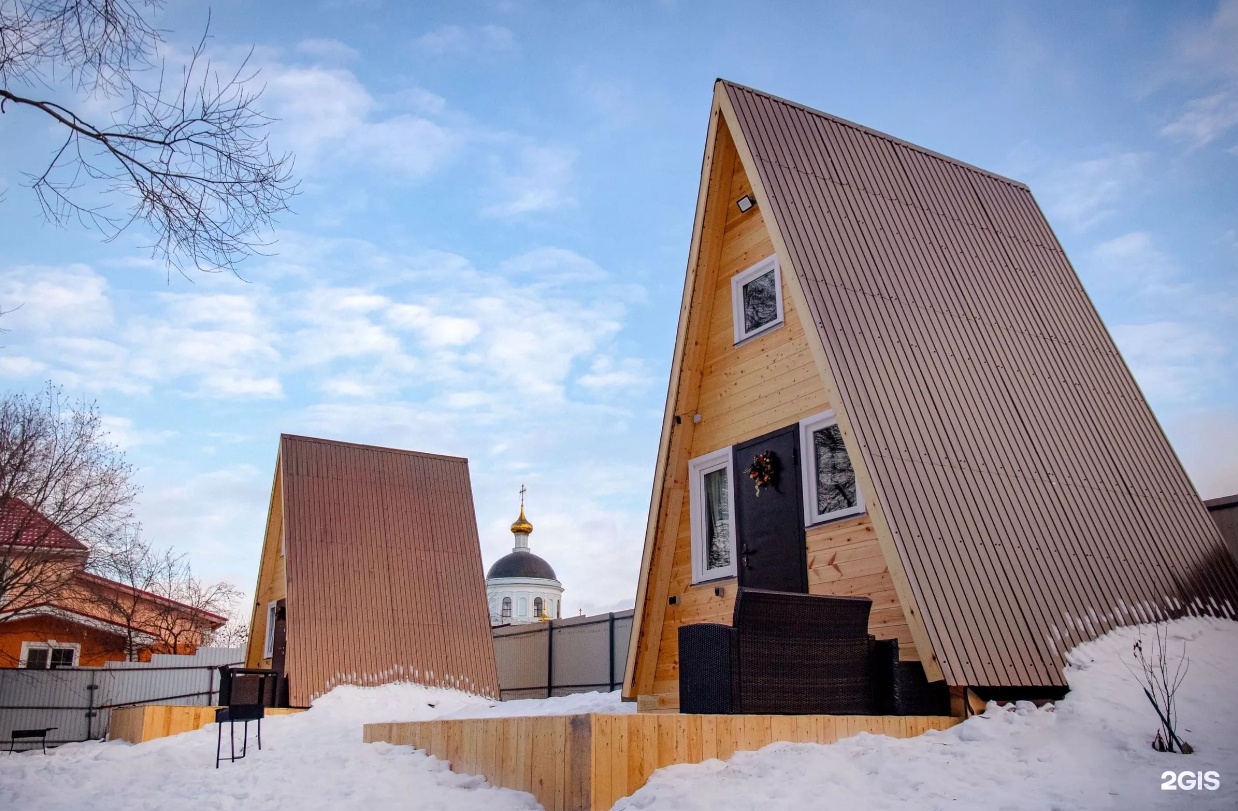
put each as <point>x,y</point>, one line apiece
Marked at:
<point>185,147</point>
<point>234,634</point>
<point>185,616</point>
<point>61,482</point>
<point>127,568</point>
<point>1161,676</point>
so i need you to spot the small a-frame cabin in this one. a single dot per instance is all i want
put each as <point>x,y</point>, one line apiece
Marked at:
<point>371,572</point>
<point>888,381</point>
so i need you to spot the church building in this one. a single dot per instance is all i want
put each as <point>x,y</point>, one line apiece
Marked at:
<point>521,586</point>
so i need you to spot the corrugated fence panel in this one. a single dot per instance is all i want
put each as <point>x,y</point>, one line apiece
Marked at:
<point>36,699</point>
<point>78,701</point>
<point>588,654</point>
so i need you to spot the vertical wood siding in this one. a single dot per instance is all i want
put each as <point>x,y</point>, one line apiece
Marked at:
<point>745,391</point>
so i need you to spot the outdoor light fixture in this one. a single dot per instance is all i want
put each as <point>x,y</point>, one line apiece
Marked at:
<point>746,202</point>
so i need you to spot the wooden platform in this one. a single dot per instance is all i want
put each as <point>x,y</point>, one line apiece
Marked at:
<point>141,724</point>
<point>588,762</point>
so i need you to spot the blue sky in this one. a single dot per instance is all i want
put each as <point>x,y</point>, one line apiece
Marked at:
<point>488,252</point>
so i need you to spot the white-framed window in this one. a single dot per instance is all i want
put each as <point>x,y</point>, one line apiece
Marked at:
<point>830,488</point>
<point>711,483</point>
<point>506,612</point>
<point>51,655</point>
<point>268,645</point>
<point>756,299</point>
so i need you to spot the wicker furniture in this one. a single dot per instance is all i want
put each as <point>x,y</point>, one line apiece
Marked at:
<point>797,654</point>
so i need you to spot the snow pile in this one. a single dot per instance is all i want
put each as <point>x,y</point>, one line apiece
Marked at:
<point>312,760</point>
<point>1090,752</point>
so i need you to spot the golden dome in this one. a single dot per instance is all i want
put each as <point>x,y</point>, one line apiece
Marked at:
<point>522,525</point>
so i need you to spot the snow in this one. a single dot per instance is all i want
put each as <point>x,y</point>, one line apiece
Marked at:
<point>1089,752</point>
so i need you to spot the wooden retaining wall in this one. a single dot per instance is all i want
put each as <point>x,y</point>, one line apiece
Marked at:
<point>141,724</point>
<point>588,762</point>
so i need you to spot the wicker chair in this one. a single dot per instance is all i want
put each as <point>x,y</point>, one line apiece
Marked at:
<point>788,654</point>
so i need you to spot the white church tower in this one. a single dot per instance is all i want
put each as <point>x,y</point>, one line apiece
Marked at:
<point>520,586</point>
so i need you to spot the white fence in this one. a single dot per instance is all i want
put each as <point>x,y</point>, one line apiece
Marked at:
<point>79,701</point>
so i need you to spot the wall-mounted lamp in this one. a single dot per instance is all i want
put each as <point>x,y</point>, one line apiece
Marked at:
<point>674,599</point>
<point>718,591</point>
<point>746,202</point>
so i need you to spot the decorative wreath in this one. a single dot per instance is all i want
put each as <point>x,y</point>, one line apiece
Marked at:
<point>764,471</point>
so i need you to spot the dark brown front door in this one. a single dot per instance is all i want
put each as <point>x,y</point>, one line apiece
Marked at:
<point>771,523</point>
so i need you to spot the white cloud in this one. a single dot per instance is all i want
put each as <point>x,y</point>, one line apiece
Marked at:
<point>71,299</point>
<point>538,182</point>
<point>621,376</point>
<point>1206,58</point>
<point>1204,120</point>
<point>1174,362</point>
<point>1205,440</point>
<point>18,366</point>
<point>1080,194</point>
<point>327,117</point>
<point>455,40</point>
<point>331,50</point>
<point>1131,263</point>
<point>122,433</point>
<point>1207,48</point>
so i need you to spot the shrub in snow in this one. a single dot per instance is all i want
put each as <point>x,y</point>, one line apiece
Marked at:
<point>1160,678</point>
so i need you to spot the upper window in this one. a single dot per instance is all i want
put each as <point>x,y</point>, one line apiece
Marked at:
<point>268,645</point>
<point>507,608</point>
<point>830,489</point>
<point>538,611</point>
<point>713,539</point>
<point>48,656</point>
<point>756,298</point>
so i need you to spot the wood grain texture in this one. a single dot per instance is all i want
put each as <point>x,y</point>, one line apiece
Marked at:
<point>745,391</point>
<point>589,762</point>
<point>146,723</point>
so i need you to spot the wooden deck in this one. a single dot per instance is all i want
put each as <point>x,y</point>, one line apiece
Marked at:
<point>146,723</point>
<point>588,762</point>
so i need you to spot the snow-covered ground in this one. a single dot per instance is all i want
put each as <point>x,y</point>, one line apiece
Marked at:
<point>1090,752</point>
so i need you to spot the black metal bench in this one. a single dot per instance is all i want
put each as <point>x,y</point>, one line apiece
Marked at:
<point>30,734</point>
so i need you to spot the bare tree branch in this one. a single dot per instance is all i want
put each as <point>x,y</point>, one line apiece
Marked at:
<point>189,156</point>
<point>61,482</point>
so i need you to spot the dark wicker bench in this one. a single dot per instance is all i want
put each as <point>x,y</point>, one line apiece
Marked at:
<point>797,654</point>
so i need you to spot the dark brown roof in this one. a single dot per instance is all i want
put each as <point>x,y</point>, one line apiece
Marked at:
<point>384,569</point>
<point>1033,499</point>
<point>22,526</point>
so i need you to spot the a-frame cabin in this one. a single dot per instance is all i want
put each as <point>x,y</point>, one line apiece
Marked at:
<point>370,573</point>
<point>898,342</point>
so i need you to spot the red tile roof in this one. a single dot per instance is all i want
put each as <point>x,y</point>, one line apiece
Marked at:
<point>22,526</point>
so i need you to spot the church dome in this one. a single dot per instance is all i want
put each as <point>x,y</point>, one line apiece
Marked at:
<point>521,564</point>
<point>522,525</point>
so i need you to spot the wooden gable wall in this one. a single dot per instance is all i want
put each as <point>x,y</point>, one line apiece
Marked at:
<point>272,576</point>
<point>740,392</point>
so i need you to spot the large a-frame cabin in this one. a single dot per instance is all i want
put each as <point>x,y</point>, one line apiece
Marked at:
<point>896,342</point>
